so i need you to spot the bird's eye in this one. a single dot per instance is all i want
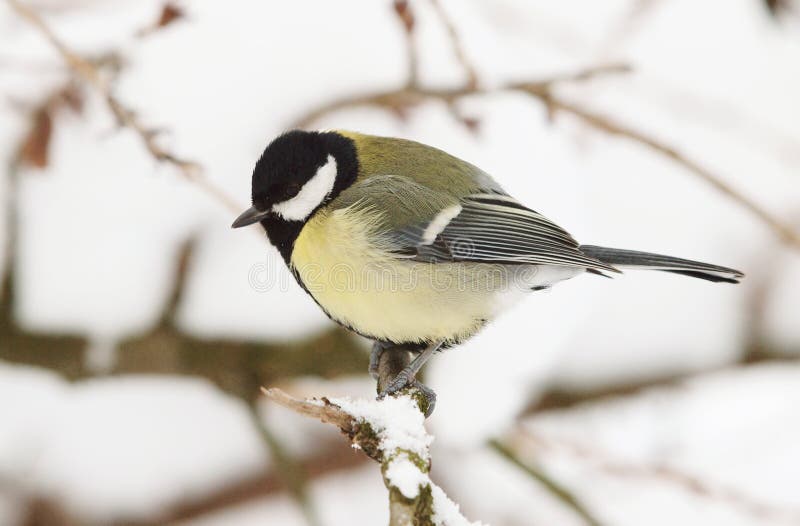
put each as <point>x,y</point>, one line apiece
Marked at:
<point>292,189</point>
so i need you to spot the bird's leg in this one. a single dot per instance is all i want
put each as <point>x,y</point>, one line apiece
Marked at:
<point>378,349</point>
<point>390,360</point>
<point>407,378</point>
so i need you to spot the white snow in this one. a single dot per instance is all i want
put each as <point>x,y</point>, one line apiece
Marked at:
<point>446,512</point>
<point>397,422</point>
<point>404,475</point>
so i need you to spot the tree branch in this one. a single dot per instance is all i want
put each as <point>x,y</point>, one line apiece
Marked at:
<point>391,432</point>
<point>406,16</point>
<point>556,489</point>
<point>89,73</point>
<point>604,462</point>
<point>400,100</point>
<point>781,228</point>
<point>457,44</point>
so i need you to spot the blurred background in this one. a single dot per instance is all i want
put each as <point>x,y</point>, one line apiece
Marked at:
<point>136,327</point>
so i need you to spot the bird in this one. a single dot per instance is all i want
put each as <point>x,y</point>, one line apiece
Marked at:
<point>412,247</point>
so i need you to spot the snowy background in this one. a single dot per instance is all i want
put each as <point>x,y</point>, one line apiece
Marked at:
<point>128,379</point>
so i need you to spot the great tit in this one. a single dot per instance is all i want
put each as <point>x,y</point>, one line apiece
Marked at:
<point>412,247</point>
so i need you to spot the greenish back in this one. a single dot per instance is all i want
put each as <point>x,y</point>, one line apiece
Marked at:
<point>426,165</point>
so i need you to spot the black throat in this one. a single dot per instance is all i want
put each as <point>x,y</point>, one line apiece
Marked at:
<point>282,233</point>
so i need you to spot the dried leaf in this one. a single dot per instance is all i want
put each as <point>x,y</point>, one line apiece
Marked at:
<point>170,13</point>
<point>403,10</point>
<point>34,149</point>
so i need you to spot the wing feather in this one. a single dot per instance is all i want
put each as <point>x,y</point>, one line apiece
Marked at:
<point>498,229</point>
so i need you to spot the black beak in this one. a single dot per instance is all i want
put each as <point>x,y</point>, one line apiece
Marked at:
<point>248,217</point>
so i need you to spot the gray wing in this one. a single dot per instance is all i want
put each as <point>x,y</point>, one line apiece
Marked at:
<point>488,227</point>
<point>495,228</point>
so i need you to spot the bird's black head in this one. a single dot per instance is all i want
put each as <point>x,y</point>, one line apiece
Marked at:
<point>298,173</point>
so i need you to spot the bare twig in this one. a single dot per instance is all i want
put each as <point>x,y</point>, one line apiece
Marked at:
<point>412,94</point>
<point>286,466</point>
<point>781,228</point>
<point>402,99</point>
<point>622,29</point>
<point>406,16</point>
<point>399,100</point>
<point>322,410</point>
<point>559,491</point>
<point>557,398</point>
<point>89,73</point>
<point>759,346</point>
<point>659,473</point>
<point>457,44</point>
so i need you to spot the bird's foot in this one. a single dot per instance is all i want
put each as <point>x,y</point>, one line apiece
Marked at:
<point>403,379</point>
<point>428,404</point>
<point>407,377</point>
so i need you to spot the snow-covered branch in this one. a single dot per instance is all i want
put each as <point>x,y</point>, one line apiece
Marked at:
<point>390,431</point>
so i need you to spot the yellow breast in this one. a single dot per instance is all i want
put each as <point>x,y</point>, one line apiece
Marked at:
<point>348,267</point>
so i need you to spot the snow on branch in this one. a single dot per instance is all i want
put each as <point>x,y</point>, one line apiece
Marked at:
<point>390,431</point>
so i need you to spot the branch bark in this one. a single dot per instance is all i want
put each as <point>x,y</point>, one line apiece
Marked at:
<point>391,432</point>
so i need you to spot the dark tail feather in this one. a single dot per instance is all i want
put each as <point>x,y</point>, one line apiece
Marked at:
<point>645,260</point>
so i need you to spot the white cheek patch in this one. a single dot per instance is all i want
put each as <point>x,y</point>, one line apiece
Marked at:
<point>311,195</point>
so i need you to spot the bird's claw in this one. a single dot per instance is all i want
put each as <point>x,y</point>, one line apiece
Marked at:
<point>403,380</point>
<point>428,394</point>
<point>424,395</point>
